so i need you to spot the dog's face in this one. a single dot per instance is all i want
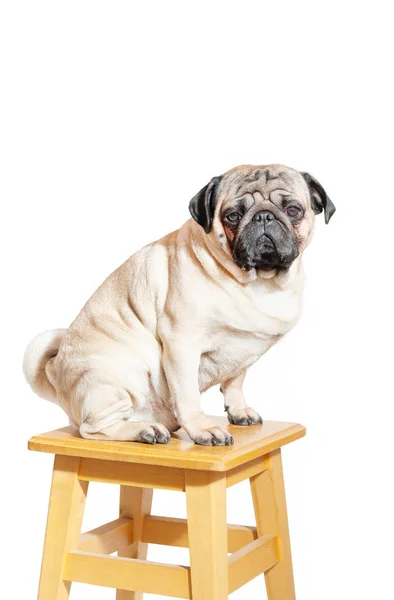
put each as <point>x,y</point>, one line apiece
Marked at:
<point>262,216</point>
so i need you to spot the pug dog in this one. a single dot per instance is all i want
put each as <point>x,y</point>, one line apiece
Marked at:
<point>192,310</point>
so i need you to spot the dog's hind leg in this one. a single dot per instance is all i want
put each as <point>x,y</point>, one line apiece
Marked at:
<point>238,412</point>
<point>147,432</point>
<point>110,416</point>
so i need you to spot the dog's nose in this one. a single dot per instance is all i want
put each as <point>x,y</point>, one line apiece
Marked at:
<point>264,216</point>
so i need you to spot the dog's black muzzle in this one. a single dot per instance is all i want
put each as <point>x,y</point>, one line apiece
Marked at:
<point>265,243</point>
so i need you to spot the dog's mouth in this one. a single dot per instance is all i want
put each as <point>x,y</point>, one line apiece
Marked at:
<point>265,267</point>
<point>263,256</point>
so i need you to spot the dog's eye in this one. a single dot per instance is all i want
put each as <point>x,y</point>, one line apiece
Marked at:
<point>234,217</point>
<point>293,211</point>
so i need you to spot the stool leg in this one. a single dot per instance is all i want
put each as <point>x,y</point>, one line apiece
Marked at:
<point>271,517</point>
<point>135,503</point>
<point>207,527</point>
<point>65,514</point>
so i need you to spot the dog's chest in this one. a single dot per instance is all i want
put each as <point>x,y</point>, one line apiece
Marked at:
<point>261,310</point>
<point>230,354</point>
<point>245,329</point>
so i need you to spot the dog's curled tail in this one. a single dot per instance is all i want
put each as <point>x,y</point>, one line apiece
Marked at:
<point>40,350</point>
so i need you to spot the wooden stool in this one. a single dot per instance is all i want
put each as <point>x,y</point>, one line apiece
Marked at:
<point>203,473</point>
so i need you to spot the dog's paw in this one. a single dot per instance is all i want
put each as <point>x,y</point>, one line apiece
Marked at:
<point>213,436</point>
<point>243,416</point>
<point>154,432</point>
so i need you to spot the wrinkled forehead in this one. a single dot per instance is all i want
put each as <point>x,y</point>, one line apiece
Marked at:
<point>271,181</point>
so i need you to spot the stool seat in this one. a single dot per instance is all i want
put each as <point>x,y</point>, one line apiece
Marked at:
<point>223,557</point>
<point>249,443</point>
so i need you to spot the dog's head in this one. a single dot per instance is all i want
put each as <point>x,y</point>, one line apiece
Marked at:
<point>262,216</point>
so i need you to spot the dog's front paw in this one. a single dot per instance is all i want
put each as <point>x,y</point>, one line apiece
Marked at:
<point>243,416</point>
<point>212,436</point>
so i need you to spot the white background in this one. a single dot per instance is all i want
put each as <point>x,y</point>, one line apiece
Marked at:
<point>113,115</point>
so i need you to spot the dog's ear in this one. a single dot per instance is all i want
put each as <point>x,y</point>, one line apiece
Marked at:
<point>202,206</point>
<point>320,200</point>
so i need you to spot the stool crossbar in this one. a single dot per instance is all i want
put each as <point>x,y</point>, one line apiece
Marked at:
<point>222,557</point>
